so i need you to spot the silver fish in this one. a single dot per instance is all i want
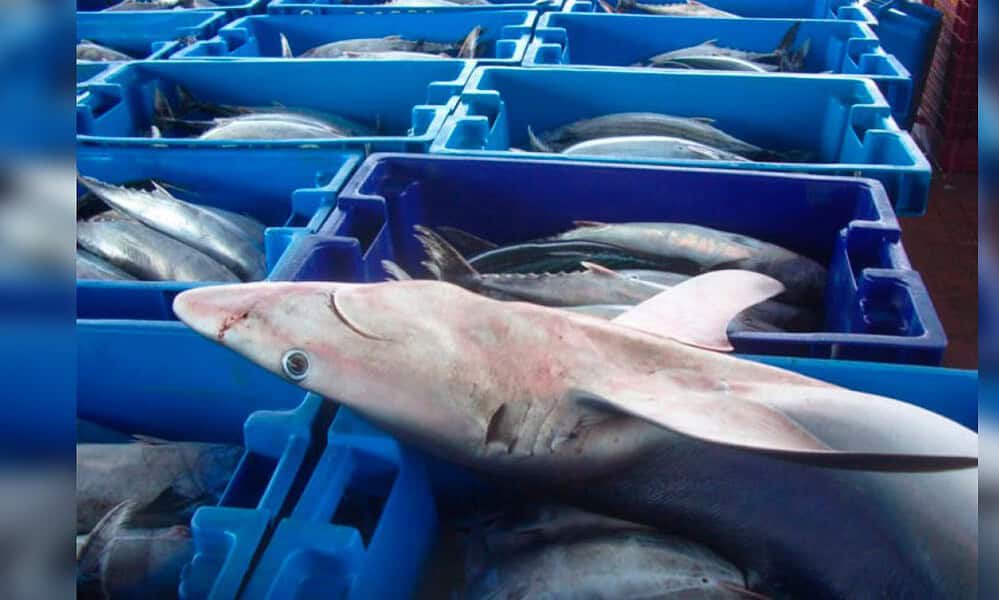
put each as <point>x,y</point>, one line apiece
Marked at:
<point>715,63</point>
<point>710,249</point>
<point>390,46</point>
<point>711,48</point>
<point>87,50</point>
<point>651,147</point>
<point>141,5</point>
<point>695,129</point>
<point>626,564</point>
<point>89,266</point>
<point>165,482</point>
<point>690,8</point>
<point>115,561</point>
<point>148,254</point>
<point>202,230</point>
<point>278,126</point>
<point>252,228</point>
<point>436,3</point>
<point>636,419</point>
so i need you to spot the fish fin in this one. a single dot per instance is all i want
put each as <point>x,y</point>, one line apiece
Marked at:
<point>394,272</point>
<point>394,36</point>
<point>168,503</point>
<point>740,590</point>
<point>716,417</point>
<point>157,188</point>
<point>154,132</point>
<point>707,120</point>
<point>787,41</point>
<point>148,440</point>
<point>622,6</point>
<point>470,45</point>
<point>88,557</point>
<point>161,106</point>
<point>186,99</point>
<point>286,47</point>
<point>673,64</point>
<point>466,243</point>
<point>536,143</point>
<point>451,265</point>
<point>607,8</point>
<point>697,311</point>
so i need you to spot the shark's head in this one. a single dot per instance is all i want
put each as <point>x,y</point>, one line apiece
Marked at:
<point>382,349</point>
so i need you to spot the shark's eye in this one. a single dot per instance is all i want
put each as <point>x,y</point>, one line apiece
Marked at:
<point>295,364</point>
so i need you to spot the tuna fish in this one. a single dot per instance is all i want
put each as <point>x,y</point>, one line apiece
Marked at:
<point>710,48</point>
<point>87,50</point>
<point>148,254</point>
<point>392,45</point>
<point>690,8</point>
<point>164,483</point>
<point>206,231</point>
<point>140,5</point>
<point>694,129</point>
<point>813,490</point>
<point>651,147</point>
<point>89,266</point>
<point>624,564</point>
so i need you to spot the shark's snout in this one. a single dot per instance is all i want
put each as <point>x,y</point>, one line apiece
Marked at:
<point>212,310</point>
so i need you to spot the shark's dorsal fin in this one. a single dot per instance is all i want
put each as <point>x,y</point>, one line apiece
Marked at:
<point>286,47</point>
<point>697,311</point>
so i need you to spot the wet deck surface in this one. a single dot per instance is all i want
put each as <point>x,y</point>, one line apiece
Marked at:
<point>943,247</point>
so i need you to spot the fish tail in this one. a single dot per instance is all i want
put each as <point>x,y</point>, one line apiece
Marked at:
<point>91,555</point>
<point>787,42</point>
<point>286,47</point>
<point>444,260</point>
<point>536,143</point>
<point>161,106</point>
<point>470,45</point>
<point>466,243</point>
<point>622,6</point>
<point>394,272</point>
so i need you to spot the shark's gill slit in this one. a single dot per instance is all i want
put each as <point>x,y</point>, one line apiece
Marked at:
<point>346,321</point>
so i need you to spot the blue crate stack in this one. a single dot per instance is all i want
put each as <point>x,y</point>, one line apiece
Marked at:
<point>322,503</point>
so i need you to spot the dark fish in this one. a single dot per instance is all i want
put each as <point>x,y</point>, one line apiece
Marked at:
<point>87,50</point>
<point>694,129</point>
<point>708,250</point>
<point>619,564</point>
<point>164,482</point>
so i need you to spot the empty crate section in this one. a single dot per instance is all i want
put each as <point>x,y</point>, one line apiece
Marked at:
<point>146,35</point>
<point>848,10</point>
<point>383,105</point>
<point>835,47</point>
<point>290,192</point>
<point>821,123</point>
<point>875,306</point>
<point>503,38</point>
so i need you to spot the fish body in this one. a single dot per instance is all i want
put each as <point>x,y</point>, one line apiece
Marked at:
<point>393,43</point>
<point>207,231</point>
<point>690,8</point>
<point>87,50</point>
<point>142,5</point>
<point>556,256</point>
<point>765,60</point>
<point>651,147</point>
<point>89,266</point>
<point>435,3</point>
<point>252,228</point>
<point>709,249</point>
<point>715,63</point>
<point>165,482</point>
<point>814,490</point>
<point>630,564</point>
<point>696,129</point>
<point>148,254</point>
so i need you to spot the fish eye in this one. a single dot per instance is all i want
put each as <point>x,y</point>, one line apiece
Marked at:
<point>295,364</point>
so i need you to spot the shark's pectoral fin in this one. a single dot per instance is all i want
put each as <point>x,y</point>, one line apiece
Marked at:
<point>723,419</point>
<point>697,312</point>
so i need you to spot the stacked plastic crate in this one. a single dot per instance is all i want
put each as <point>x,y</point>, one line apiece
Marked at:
<point>949,110</point>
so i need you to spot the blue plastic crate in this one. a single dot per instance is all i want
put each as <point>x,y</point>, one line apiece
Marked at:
<point>290,191</point>
<point>602,40</point>
<point>407,100</point>
<point>232,8</point>
<point>164,380</point>
<point>342,510</point>
<point>87,70</point>
<point>147,35</point>
<point>847,10</point>
<point>844,122</point>
<point>340,7</point>
<point>909,30</point>
<point>876,306</point>
<point>503,41</point>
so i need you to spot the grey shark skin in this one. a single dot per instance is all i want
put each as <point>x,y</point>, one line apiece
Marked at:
<point>814,490</point>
